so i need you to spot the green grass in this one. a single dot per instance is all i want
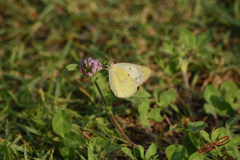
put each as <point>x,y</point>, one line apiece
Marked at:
<point>38,39</point>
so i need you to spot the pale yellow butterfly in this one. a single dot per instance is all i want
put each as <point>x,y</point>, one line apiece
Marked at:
<point>124,78</point>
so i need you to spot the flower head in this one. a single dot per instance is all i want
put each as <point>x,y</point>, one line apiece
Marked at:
<point>90,66</point>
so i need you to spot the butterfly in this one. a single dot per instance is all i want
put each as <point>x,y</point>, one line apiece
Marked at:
<point>124,78</point>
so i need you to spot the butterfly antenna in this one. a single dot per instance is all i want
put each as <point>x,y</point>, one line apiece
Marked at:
<point>109,59</point>
<point>110,54</point>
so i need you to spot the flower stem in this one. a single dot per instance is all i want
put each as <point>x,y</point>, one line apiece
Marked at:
<point>186,83</point>
<point>120,129</point>
<point>99,90</point>
<point>113,118</point>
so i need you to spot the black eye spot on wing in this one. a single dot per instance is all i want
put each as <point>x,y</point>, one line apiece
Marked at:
<point>129,68</point>
<point>136,78</point>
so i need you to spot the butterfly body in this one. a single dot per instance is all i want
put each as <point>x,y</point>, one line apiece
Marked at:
<point>124,78</point>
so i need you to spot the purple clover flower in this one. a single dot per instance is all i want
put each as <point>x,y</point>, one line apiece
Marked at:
<point>90,66</point>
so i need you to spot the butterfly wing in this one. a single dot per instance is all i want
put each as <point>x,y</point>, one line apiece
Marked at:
<point>139,73</point>
<point>121,82</point>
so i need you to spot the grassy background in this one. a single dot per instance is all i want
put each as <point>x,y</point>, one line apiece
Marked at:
<point>38,39</point>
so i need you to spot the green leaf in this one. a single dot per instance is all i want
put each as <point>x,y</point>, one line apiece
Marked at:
<point>141,150</point>
<point>196,126</point>
<point>99,122</point>
<point>94,141</point>
<point>174,107</point>
<point>160,63</point>
<point>144,106</point>
<point>190,148</point>
<point>232,151</point>
<point>144,121</point>
<point>61,123</point>
<point>128,152</point>
<point>141,94</point>
<point>95,78</point>
<point>72,67</point>
<point>187,38</point>
<point>135,100</point>
<point>211,95</point>
<point>138,96</point>
<point>196,156</point>
<point>156,95</point>
<point>90,153</point>
<point>234,142</point>
<point>204,38</point>
<point>73,140</point>
<point>107,145</point>
<point>228,88</point>
<point>172,67</point>
<point>196,139</point>
<point>167,97</point>
<point>109,96</point>
<point>168,47</point>
<point>155,157</point>
<point>175,152</point>
<point>223,109</point>
<point>25,152</point>
<point>215,134</point>
<point>66,153</point>
<point>205,135</point>
<point>238,96</point>
<point>183,64</point>
<point>203,54</point>
<point>8,154</point>
<point>209,109</point>
<point>151,151</point>
<point>155,114</point>
<point>223,132</point>
<point>231,122</point>
<point>112,148</point>
<point>230,92</point>
<point>136,152</point>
